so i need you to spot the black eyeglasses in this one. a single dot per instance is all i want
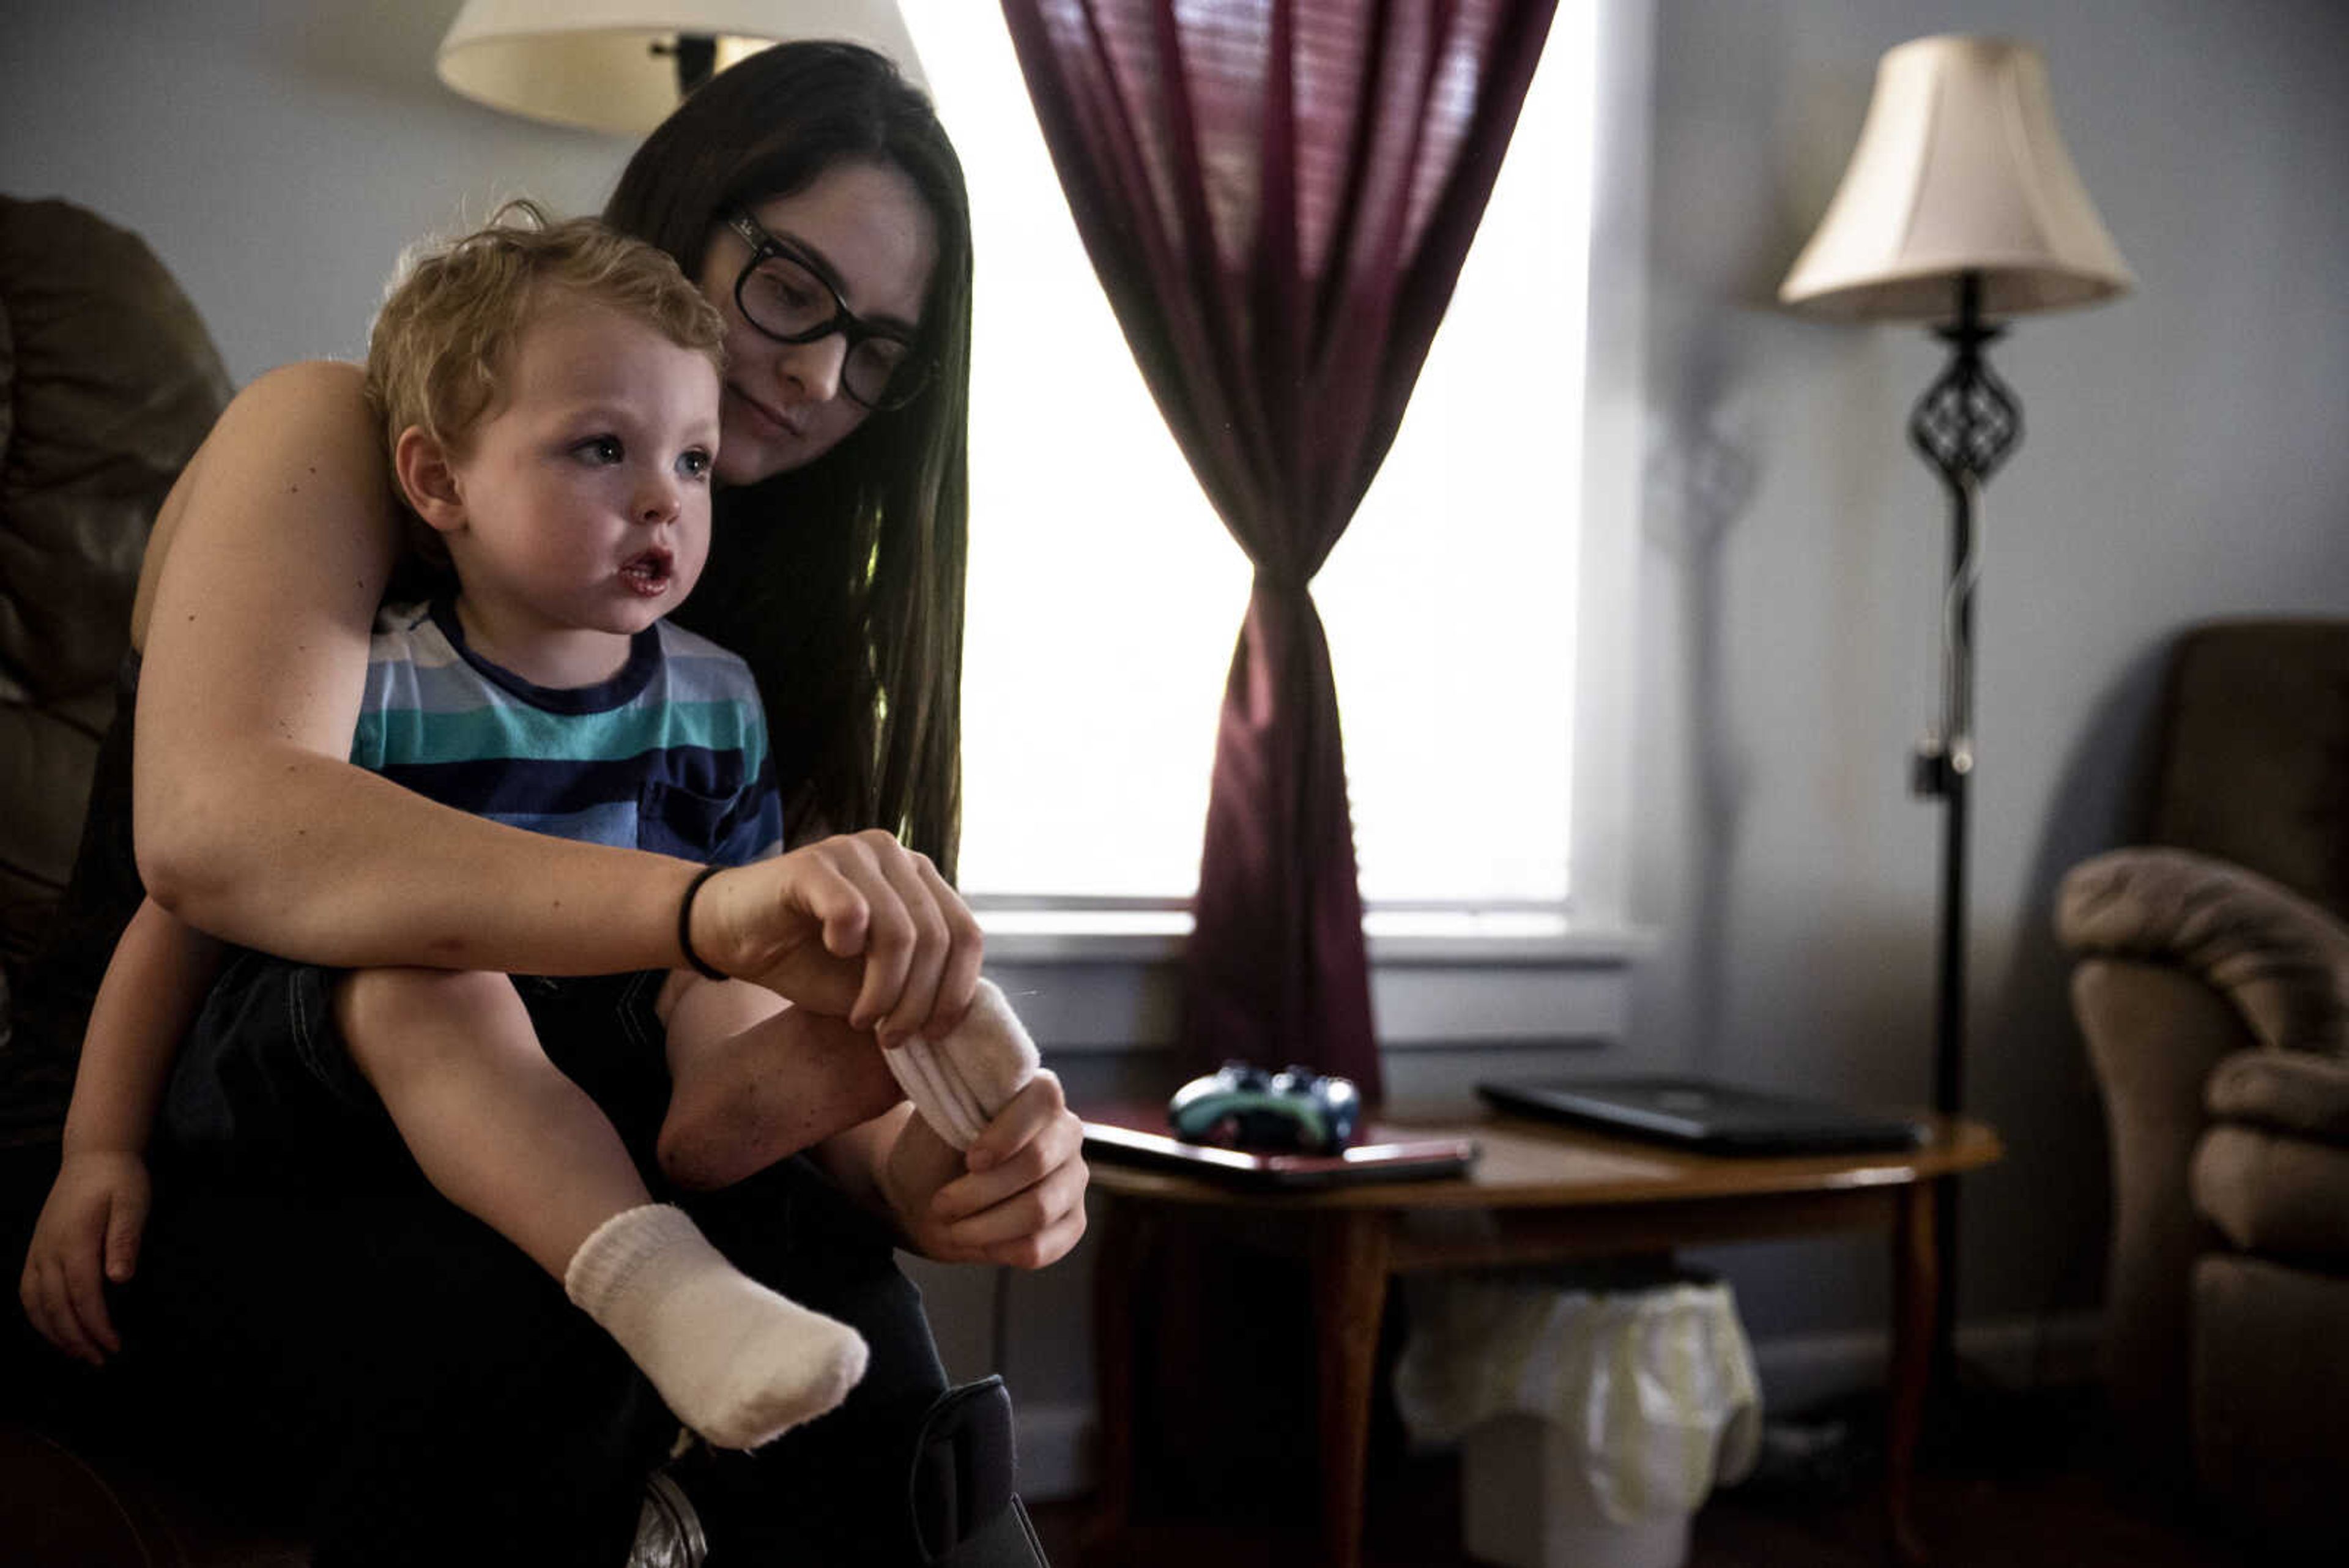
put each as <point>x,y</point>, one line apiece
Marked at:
<point>781,293</point>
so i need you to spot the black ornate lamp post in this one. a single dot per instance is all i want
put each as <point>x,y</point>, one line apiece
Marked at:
<point>1959,209</point>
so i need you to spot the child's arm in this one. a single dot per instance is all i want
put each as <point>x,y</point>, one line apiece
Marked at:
<point>91,1223</point>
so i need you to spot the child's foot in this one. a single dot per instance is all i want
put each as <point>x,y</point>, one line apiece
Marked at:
<point>738,1363</point>
<point>958,1082</point>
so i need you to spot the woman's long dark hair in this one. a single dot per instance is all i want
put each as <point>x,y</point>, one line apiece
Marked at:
<point>842,582</point>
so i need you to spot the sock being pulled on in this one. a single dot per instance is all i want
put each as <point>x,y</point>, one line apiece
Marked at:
<point>960,1082</point>
<point>738,1363</point>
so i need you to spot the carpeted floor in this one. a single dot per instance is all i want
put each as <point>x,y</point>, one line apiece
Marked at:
<point>2047,1495</point>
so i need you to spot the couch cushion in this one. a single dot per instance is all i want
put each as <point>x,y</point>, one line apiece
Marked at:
<point>2278,1196</point>
<point>2283,1091</point>
<point>110,382</point>
<point>2255,752</point>
<point>2271,1403</point>
<point>66,1504</point>
<point>47,752</point>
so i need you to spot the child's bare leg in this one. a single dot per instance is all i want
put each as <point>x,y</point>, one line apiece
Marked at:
<point>497,1127</point>
<point>504,1135</point>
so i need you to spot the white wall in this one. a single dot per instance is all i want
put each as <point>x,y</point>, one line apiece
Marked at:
<point>276,155</point>
<point>2184,458</point>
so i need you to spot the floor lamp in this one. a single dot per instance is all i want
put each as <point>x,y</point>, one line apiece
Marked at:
<point>1959,209</point>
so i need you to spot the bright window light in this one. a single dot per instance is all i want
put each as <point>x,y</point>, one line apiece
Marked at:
<point>1105,597</point>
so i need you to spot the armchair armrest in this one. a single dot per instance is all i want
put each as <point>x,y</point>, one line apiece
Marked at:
<point>2279,959</point>
<point>2273,1173</point>
<point>2186,962</point>
<point>2287,1092</point>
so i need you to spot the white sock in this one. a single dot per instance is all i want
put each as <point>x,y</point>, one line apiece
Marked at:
<point>925,1079</point>
<point>736,1362</point>
<point>958,1082</point>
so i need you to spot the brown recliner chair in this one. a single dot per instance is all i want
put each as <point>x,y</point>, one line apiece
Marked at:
<point>107,382</point>
<point>2213,989</point>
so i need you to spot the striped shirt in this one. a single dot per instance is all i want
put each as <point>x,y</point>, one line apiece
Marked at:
<point>670,754</point>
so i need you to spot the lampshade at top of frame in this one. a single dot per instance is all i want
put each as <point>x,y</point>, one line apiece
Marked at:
<point>593,63</point>
<point>1959,167</point>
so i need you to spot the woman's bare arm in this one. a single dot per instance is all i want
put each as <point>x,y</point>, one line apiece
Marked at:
<point>252,825</point>
<point>753,1084</point>
<point>754,1080</point>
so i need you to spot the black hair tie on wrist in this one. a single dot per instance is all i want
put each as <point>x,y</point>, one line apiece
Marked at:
<point>684,925</point>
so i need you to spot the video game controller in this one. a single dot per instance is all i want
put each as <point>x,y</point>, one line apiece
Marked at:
<point>1295,1111</point>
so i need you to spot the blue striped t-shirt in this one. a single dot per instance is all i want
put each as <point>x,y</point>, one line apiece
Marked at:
<point>670,754</point>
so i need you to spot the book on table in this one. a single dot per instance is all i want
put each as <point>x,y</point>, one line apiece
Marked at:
<point>1699,1114</point>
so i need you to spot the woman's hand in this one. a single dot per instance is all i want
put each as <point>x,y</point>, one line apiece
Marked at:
<point>856,926</point>
<point>1017,1195</point>
<point>88,1228</point>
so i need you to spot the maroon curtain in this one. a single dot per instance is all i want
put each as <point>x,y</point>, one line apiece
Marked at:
<point>1278,195</point>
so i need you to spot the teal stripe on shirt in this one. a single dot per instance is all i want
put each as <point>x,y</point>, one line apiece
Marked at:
<point>405,681</point>
<point>414,735</point>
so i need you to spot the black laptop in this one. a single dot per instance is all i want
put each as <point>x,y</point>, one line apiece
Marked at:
<point>1719,1118</point>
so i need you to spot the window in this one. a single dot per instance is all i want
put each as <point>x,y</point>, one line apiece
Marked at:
<point>1105,598</point>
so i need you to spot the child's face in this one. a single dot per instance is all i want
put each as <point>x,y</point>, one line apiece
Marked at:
<point>584,496</point>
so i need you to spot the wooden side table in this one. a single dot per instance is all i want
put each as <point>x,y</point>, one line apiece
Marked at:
<point>1538,1194</point>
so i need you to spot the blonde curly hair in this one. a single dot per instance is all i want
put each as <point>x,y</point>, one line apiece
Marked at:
<point>442,344</point>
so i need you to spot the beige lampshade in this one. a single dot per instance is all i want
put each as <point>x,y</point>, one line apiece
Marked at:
<point>1959,169</point>
<point>594,63</point>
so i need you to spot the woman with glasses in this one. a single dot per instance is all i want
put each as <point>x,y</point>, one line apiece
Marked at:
<point>431,1389</point>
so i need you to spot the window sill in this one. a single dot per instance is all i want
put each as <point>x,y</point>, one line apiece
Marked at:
<point>1398,938</point>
